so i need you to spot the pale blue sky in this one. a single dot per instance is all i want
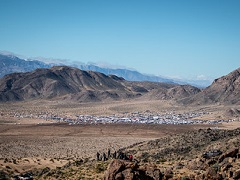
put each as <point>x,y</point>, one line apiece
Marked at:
<point>182,38</point>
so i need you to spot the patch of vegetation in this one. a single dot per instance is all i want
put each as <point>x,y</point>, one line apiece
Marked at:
<point>162,160</point>
<point>100,167</point>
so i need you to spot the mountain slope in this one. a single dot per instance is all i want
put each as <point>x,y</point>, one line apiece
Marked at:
<point>54,82</point>
<point>163,91</point>
<point>225,89</point>
<point>73,84</point>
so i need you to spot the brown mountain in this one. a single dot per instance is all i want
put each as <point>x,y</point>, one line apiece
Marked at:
<point>225,90</point>
<point>162,91</point>
<point>55,82</point>
<point>67,83</point>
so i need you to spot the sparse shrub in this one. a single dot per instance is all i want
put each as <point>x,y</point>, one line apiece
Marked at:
<point>86,160</point>
<point>184,178</point>
<point>8,167</point>
<point>162,160</point>
<point>145,155</point>
<point>5,160</point>
<point>145,160</point>
<point>26,160</point>
<point>100,167</point>
<point>71,169</point>
<point>216,167</point>
<point>4,175</point>
<point>14,161</point>
<point>44,171</point>
<point>78,162</point>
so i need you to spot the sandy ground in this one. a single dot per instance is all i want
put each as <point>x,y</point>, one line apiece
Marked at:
<point>27,143</point>
<point>79,141</point>
<point>232,125</point>
<point>24,147</point>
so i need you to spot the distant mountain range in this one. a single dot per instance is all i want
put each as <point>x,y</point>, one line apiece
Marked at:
<point>69,83</point>
<point>10,63</point>
<point>72,84</point>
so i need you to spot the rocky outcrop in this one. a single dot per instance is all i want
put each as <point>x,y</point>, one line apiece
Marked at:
<point>4,175</point>
<point>225,168</point>
<point>184,145</point>
<point>120,170</point>
<point>204,169</point>
<point>202,154</point>
<point>231,153</point>
<point>207,168</point>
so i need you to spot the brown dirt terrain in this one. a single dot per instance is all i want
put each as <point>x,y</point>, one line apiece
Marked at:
<point>64,142</point>
<point>34,143</point>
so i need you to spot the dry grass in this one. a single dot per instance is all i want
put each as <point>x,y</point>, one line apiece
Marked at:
<point>35,145</point>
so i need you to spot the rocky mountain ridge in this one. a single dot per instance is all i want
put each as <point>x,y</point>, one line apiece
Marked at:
<point>68,83</point>
<point>55,83</point>
<point>224,90</point>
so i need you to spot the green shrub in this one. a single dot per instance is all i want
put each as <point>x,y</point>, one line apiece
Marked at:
<point>100,167</point>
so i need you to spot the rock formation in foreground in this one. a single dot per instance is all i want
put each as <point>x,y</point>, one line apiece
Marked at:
<point>120,169</point>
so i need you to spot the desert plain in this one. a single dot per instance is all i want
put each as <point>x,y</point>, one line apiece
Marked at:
<point>27,142</point>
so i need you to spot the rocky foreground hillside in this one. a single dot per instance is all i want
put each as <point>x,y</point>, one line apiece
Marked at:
<point>72,84</point>
<point>187,145</point>
<point>201,154</point>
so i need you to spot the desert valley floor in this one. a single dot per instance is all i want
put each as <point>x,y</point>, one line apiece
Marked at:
<point>38,142</point>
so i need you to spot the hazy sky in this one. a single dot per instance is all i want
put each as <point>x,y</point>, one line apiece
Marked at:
<point>181,38</point>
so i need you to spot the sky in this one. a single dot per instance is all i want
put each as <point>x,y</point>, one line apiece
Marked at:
<point>173,38</point>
